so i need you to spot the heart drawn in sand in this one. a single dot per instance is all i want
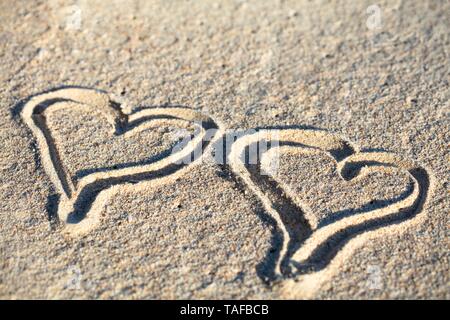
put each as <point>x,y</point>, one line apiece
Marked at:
<point>82,196</point>
<point>312,241</point>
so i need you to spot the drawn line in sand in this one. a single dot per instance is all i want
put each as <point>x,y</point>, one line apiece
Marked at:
<point>81,201</point>
<point>306,250</point>
<point>311,250</point>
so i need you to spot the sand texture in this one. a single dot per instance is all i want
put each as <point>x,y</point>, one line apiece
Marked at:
<point>229,149</point>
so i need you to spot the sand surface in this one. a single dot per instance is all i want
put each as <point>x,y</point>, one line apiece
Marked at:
<point>351,200</point>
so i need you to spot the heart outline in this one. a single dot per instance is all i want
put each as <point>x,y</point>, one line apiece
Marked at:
<point>350,160</point>
<point>78,218</point>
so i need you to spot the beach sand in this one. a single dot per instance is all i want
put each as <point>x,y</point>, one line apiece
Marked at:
<point>351,202</point>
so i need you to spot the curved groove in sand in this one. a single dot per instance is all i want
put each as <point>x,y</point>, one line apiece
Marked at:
<point>307,249</point>
<point>81,202</point>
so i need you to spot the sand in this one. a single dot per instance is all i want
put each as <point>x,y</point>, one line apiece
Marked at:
<point>117,184</point>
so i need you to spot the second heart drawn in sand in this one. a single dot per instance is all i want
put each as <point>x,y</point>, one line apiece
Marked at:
<point>310,243</point>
